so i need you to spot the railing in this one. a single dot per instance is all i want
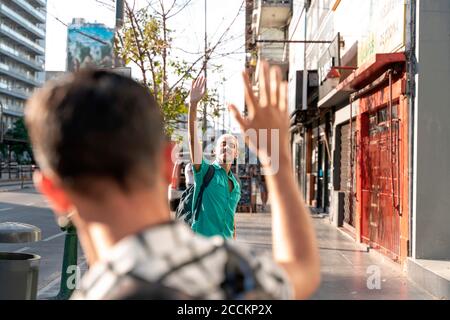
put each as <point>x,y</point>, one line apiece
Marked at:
<point>22,38</point>
<point>15,90</point>
<point>30,9</point>
<point>20,55</point>
<point>23,21</point>
<point>276,2</point>
<point>14,172</point>
<point>43,3</point>
<point>16,109</point>
<point>18,73</point>
<point>274,52</point>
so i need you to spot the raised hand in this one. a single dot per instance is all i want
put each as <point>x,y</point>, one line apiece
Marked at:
<point>269,113</point>
<point>197,89</point>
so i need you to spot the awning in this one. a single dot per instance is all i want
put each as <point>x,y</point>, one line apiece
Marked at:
<point>370,70</point>
<point>334,97</point>
<point>361,77</point>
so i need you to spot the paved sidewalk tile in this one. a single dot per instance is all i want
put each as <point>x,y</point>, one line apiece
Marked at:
<point>347,268</point>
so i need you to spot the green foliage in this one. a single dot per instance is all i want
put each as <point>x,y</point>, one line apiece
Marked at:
<point>21,142</point>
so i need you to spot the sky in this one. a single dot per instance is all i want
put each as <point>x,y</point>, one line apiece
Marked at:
<point>188,27</point>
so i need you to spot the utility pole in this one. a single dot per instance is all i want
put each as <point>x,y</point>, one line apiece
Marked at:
<point>119,13</point>
<point>223,113</point>
<point>204,126</point>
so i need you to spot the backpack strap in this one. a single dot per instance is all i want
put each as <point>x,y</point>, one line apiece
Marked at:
<point>240,280</point>
<point>206,180</point>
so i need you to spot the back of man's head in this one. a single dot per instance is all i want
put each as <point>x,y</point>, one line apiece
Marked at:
<point>96,125</point>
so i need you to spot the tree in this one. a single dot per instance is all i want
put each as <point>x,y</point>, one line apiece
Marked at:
<point>145,40</point>
<point>18,141</point>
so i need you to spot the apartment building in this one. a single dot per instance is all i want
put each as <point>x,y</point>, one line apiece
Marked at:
<point>22,49</point>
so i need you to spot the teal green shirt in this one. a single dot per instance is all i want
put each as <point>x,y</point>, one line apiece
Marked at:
<point>216,213</point>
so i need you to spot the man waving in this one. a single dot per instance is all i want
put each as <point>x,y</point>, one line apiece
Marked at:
<point>219,200</point>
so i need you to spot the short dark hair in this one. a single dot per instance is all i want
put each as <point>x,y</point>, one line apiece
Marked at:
<point>95,124</point>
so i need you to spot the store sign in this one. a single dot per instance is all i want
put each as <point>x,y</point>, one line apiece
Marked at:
<point>385,29</point>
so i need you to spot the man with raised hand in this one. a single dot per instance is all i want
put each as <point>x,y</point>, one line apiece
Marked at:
<point>219,199</point>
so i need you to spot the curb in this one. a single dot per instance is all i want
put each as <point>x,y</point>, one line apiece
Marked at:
<point>10,188</point>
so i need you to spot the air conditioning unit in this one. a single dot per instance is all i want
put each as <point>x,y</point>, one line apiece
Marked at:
<point>255,19</point>
<point>313,83</point>
<point>255,16</point>
<point>253,37</point>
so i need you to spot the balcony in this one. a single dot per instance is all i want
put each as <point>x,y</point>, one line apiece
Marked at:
<point>11,110</point>
<point>272,13</point>
<point>18,74</point>
<point>42,3</point>
<point>36,64</point>
<point>24,41</point>
<point>15,92</point>
<point>274,53</point>
<point>12,15</point>
<point>34,12</point>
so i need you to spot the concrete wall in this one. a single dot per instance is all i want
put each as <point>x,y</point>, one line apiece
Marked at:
<point>431,208</point>
<point>296,32</point>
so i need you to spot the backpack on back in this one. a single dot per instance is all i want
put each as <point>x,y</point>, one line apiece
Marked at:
<point>186,211</point>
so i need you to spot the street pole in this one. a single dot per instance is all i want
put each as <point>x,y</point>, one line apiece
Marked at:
<point>305,71</point>
<point>223,113</point>
<point>119,14</point>
<point>1,123</point>
<point>70,259</point>
<point>1,136</point>
<point>204,126</point>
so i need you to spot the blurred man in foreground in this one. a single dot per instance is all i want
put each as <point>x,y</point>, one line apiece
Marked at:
<point>105,163</point>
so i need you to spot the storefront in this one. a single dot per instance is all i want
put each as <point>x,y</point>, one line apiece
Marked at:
<point>380,146</point>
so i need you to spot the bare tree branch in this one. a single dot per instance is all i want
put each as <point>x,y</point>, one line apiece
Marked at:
<point>154,10</point>
<point>208,54</point>
<point>141,63</point>
<point>147,53</point>
<point>171,7</point>
<point>178,11</point>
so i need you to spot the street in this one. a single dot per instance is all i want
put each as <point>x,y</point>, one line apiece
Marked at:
<point>27,206</point>
<point>346,266</point>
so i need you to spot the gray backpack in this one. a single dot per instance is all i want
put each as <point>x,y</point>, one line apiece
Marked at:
<point>186,211</point>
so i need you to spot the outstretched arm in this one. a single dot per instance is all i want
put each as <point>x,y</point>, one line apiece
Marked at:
<point>196,94</point>
<point>294,242</point>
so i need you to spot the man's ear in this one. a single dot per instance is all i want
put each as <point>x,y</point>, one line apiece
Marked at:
<point>168,164</point>
<point>58,198</point>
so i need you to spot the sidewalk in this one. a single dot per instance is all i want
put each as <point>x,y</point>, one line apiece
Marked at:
<point>346,266</point>
<point>13,185</point>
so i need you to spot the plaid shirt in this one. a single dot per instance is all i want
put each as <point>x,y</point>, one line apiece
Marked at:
<point>172,255</point>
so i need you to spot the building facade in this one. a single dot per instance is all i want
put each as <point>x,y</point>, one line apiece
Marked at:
<point>266,35</point>
<point>22,50</point>
<point>369,117</point>
<point>350,130</point>
<point>89,45</point>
